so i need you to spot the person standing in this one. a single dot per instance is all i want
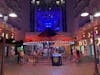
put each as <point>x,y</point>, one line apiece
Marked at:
<point>98,52</point>
<point>78,56</point>
<point>74,54</point>
<point>85,51</point>
<point>34,57</point>
<point>18,57</point>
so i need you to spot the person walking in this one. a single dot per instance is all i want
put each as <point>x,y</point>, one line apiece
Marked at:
<point>78,56</point>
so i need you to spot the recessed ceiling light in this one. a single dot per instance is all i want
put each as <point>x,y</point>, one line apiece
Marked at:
<point>84,14</point>
<point>97,14</point>
<point>13,15</point>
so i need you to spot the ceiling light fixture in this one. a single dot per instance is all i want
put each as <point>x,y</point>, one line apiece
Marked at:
<point>37,2</point>
<point>13,15</point>
<point>97,14</point>
<point>57,2</point>
<point>84,14</point>
<point>33,1</point>
<point>62,1</point>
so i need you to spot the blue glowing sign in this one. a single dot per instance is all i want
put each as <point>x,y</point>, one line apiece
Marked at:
<point>48,19</point>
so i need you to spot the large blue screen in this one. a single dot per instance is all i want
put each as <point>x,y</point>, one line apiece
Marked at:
<point>48,19</point>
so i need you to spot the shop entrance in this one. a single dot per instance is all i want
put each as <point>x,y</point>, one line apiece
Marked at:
<point>45,50</point>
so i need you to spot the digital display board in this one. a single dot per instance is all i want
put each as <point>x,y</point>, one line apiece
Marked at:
<point>48,19</point>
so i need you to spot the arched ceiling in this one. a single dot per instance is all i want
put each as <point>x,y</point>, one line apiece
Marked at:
<point>22,7</point>
<point>74,10</point>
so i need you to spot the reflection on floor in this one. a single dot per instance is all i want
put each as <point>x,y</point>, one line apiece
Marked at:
<point>45,67</point>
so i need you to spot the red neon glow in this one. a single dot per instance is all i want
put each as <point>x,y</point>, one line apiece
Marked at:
<point>55,38</point>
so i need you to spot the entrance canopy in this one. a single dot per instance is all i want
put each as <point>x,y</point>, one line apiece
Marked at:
<point>60,42</point>
<point>33,39</point>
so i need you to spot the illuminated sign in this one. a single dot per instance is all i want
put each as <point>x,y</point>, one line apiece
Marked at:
<point>48,19</point>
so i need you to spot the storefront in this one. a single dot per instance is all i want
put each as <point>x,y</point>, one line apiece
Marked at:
<point>85,38</point>
<point>10,34</point>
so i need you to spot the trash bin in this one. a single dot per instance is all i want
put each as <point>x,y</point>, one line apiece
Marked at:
<point>56,60</point>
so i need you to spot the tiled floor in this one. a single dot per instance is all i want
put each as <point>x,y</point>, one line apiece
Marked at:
<point>45,68</point>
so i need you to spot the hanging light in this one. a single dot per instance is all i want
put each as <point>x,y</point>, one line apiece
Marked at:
<point>2,34</point>
<point>96,31</point>
<point>89,35</point>
<point>7,36</point>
